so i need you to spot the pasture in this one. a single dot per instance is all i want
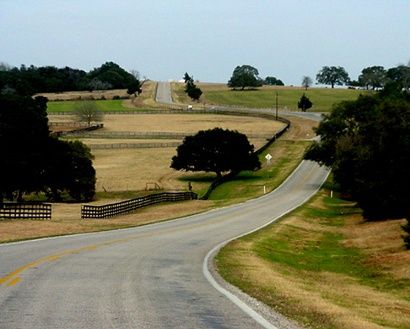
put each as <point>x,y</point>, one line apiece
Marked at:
<point>130,169</point>
<point>215,94</point>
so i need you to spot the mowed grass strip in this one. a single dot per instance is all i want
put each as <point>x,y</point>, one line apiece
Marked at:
<point>103,105</point>
<point>324,267</point>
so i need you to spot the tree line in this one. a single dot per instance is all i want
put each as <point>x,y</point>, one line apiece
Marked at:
<point>373,77</point>
<point>366,143</point>
<point>32,80</point>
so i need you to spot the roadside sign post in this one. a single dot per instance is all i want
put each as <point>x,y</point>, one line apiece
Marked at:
<point>268,157</point>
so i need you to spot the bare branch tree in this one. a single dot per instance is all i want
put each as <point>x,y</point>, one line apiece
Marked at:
<point>87,111</point>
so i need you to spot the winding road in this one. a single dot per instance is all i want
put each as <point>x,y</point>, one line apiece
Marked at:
<point>154,276</point>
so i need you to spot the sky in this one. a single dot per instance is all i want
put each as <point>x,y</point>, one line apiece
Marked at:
<point>163,39</point>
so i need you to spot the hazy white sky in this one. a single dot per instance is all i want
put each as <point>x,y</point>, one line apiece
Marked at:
<point>163,39</point>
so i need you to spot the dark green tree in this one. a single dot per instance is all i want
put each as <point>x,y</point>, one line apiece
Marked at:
<point>69,170</point>
<point>304,103</point>
<point>81,185</point>
<point>400,75</point>
<point>216,150</point>
<point>23,136</point>
<point>367,144</point>
<point>333,75</point>
<point>34,161</point>
<point>133,87</point>
<point>272,81</point>
<point>188,78</point>
<point>373,77</point>
<point>31,80</point>
<point>191,89</point>
<point>111,74</point>
<point>194,92</point>
<point>245,76</point>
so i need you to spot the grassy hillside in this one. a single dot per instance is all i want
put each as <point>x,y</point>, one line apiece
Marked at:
<point>265,97</point>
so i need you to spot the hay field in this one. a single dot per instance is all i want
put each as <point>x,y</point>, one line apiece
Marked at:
<point>131,169</point>
<point>180,123</point>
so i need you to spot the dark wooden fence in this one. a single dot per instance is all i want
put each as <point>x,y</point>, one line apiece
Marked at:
<point>124,207</point>
<point>25,211</point>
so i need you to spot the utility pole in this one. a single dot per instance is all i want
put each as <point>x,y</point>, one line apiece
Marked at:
<point>276,106</point>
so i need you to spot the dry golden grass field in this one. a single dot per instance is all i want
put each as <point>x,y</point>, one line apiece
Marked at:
<point>131,169</point>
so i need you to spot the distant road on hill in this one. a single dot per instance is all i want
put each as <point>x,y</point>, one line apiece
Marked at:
<point>164,93</point>
<point>164,96</point>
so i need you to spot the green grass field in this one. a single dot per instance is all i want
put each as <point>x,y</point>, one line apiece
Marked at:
<point>288,97</point>
<point>104,105</point>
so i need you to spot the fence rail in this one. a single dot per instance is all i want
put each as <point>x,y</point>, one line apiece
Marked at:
<point>133,145</point>
<point>119,208</point>
<point>25,211</point>
<point>149,135</point>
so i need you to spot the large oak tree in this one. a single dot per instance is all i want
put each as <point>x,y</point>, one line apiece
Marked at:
<point>333,75</point>
<point>245,76</point>
<point>216,150</point>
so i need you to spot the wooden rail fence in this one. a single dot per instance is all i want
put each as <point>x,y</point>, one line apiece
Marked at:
<point>25,211</point>
<point>114,209</point>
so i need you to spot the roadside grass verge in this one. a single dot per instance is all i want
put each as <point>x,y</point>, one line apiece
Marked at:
<point>286,156</point>
<point>320,266</point>
<point>265,96</point>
